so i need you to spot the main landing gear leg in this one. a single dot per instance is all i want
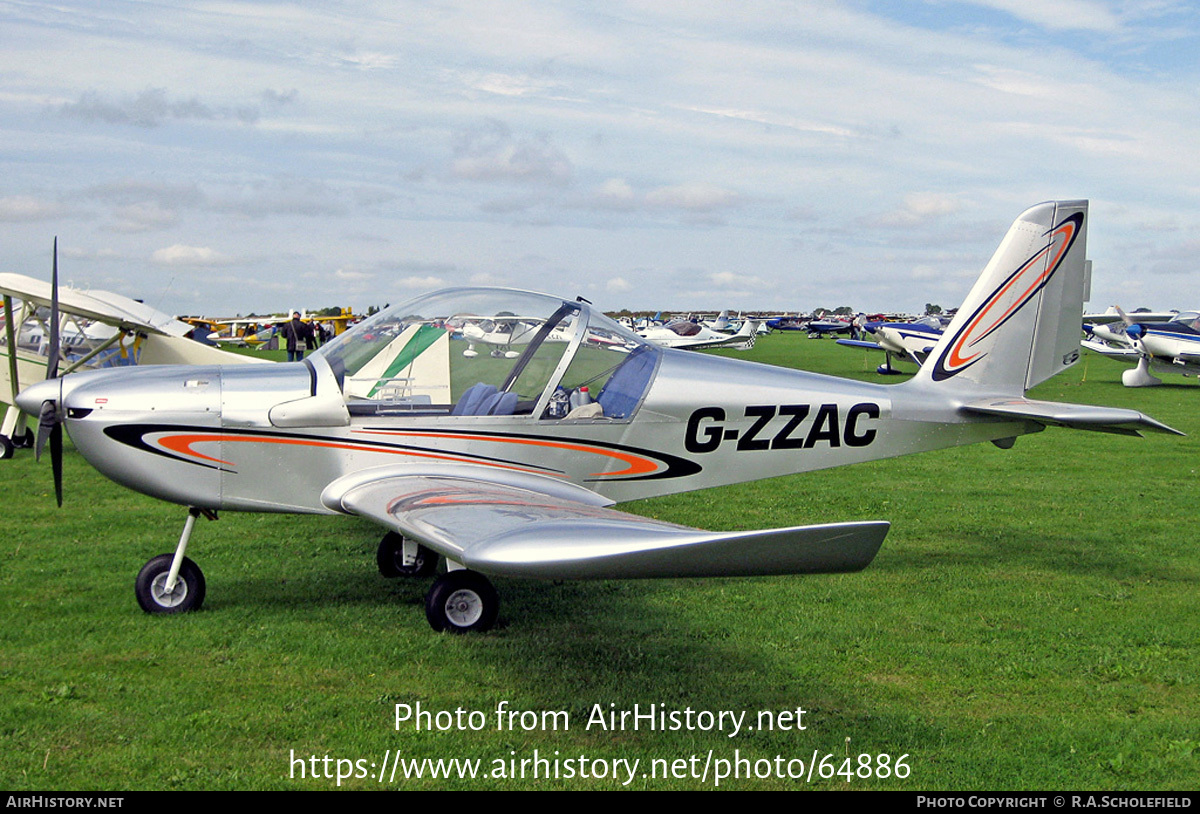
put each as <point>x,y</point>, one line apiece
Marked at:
<point>886,368</point>
<point>398,556</point>
<point>172,583</point>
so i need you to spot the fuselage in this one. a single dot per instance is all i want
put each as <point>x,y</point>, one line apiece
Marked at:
<point>210,436</point>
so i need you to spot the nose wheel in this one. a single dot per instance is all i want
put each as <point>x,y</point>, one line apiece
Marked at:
<point>185,594</point>
<point>172,583</point>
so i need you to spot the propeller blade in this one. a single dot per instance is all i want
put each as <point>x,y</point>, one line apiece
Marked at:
<point>47,421</point>
<point>56,461</point>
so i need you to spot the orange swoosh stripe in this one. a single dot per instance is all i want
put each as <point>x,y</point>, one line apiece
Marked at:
<point>182,444</point>
<point>954,358</point>
<point>637,465</point>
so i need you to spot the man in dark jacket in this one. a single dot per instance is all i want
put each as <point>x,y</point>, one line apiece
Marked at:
<point>296,333</point>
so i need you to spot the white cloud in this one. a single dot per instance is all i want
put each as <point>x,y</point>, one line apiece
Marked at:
<point>736,280</point>
<point>181,255</point>
<point>143,217</point>
<point>1058,15</point>
<point>421,283</point>
<point>615,193</point>
<point>694,197</point>
<point>28,208</point>
<point>349,275</point>
<point>494,154</point>
<point>920,207</point>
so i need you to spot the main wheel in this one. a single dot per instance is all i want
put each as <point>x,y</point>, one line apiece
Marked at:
<point>151,586</point>
<point>25,440</point>
<point>390,559</point>
<point>461,602</point>
<point>6,448</point>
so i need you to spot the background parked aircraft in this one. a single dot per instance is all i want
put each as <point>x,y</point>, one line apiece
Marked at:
<point>682,333</point>
<point>1172,346</point>
<point>909,340</point>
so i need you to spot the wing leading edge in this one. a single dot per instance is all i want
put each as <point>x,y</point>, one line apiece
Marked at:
<point>498,528</point>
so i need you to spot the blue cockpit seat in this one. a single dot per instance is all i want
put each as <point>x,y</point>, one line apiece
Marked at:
<point>485,399</point>
<point>623,391</point>
<point>472,401</point>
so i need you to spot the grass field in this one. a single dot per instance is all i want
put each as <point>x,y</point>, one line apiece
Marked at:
<point>1030,623</point>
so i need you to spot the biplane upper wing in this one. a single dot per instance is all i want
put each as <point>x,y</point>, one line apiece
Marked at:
<point>166,341</point>
<point>102,306</point>
<point>521,525</point>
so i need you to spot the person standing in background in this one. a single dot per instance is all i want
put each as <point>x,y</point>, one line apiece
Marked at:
<point>296,333</point>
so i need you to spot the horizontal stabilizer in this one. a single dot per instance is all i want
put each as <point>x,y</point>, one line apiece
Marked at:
<point>507,530</point>
<point>1075,416</point>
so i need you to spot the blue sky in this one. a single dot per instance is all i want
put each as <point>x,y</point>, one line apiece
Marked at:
<point>225,157</point>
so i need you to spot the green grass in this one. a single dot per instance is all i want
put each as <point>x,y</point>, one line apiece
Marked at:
<point>1029,624</point>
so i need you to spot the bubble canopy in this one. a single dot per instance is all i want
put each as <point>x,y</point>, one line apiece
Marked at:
<point>488,351</point>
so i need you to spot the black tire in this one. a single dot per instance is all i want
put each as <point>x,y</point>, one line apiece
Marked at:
<point>25,440</point>
<point>189,588</point>
<point>390,559</point>
<point>462,602</point>
<point>6,448</point>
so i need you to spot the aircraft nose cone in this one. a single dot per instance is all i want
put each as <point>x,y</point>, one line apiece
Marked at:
<point>30,399</point>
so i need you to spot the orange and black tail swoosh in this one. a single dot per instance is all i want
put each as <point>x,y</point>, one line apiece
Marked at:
<point>1000,306</point>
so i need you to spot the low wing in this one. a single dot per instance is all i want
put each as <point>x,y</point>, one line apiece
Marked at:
<point>1110,351</point>
<point>565,532</point>
<point>914,356</point>
<point>859,343</point>
<point>1075,416</point>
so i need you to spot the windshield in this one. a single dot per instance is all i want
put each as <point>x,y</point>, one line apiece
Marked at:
<point>486,352</point>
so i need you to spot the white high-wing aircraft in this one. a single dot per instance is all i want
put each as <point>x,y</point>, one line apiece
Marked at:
<point>1157,347</point>
<point>911,340</point>
<point>682,333</point>
<point>487,476</point>
<point>96,329</point>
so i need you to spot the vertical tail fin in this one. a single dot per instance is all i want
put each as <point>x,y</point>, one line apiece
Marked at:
<point>1020,324</point>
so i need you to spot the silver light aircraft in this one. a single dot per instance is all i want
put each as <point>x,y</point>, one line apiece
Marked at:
<point>475,459</point>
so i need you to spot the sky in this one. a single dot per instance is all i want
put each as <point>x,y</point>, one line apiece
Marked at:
<point>225,158</point>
